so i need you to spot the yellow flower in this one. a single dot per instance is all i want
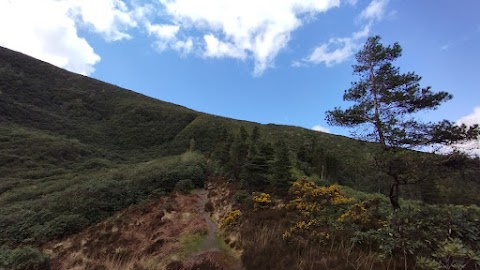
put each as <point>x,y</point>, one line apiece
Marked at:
<point>230,219</point>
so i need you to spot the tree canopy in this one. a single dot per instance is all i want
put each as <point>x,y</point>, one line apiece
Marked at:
<point>385,101</point>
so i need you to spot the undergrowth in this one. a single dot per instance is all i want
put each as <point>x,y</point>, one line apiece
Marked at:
<point>323,227</point>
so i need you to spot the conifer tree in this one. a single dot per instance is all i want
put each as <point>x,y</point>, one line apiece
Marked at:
<point>222,150</point>
<point>239,152</point>
<point>281,176</point>
<point>257,169</point>
<point>385,102</point>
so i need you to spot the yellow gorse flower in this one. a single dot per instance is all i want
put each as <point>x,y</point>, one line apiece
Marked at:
<point>231,218</point>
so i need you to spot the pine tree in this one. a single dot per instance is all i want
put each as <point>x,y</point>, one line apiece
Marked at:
<point>222,151</point>
<point>281,176</point>
<point>256,171</point>
<point>239,153</point>
<point>385,102</point>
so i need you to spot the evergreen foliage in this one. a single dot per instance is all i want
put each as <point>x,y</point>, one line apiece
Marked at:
<point>281,178</point>
<point>257,168</point>
<point>239,153</point>
<point>386,100</point>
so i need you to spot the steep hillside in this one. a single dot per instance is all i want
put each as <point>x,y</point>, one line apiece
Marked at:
<point>114,123</point>
<point>74,151</point>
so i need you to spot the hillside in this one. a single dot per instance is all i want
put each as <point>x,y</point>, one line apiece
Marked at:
<point>75,150</point>
<point>76,118</point>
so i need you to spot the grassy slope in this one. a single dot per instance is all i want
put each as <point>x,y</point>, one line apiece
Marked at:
<point>67,141</point>
<point>119,124</point>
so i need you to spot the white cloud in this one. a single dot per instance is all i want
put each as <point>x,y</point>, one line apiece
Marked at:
<point>470,147</point>
<point>48,29</point>
<point>163,31</point>
<point>165,34</point>
<point>338,50</point>
<point>217,48</point>
<point>111,18</point>
<point>183,46</point>
<point>334,52</point>
<point>256,30</point>
<point>471,119</point>
<point>375,10</point>
<point>320,128</point>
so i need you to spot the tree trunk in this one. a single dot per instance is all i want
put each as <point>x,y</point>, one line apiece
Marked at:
<point>376,105</point>
<point>394,194</point>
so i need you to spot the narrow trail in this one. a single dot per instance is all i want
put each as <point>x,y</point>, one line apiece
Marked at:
<point>210,244</point>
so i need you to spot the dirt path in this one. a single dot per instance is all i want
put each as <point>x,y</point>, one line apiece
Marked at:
<point>210,246</point>
<point>210,243</point>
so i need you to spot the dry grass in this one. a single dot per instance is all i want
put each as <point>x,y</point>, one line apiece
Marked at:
<point>168,233</point>
<point>141,237</point>
<point>264,248</point>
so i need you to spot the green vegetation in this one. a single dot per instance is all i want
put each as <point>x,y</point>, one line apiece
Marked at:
<point>73,151</point>
<point>333,227</point>
<point>65,204</point>
<point>386,101</point>
<point>24,258</point>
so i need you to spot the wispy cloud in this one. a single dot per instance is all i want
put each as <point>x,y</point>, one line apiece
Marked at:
<point>470,147</point>
<point>445,47</point>
<point>321,128</point>
<point>48,29</point>
<point>337,50</point>
<point>375,10</point>
<point>248,29</point>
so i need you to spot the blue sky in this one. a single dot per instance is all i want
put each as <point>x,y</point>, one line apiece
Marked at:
<point>267,61</point>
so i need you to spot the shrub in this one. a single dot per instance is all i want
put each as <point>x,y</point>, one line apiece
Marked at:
<point>261,200</point>
<point>25,258</point>
<point>240,196</point>
<point>232,218</point>
<point>366,215</point>
<point>184,186</point>
<point>60,226</point>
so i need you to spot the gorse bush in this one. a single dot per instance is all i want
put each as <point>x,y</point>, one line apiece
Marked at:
<point>232,218</point>
<point>310,198</point>
<point>261,200</point>
<point>317,207</point>
<point>444,236</point>
<point>365,215</point>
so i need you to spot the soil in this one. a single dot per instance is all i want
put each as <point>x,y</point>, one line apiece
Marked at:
<point>148,237</point>
<point>210,242</point>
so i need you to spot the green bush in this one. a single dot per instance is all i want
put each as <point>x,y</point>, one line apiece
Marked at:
<point>184,186</point>
<point>240,196</point>
<point>61,206</point>
<point>25,258</point>
<point>62,225</point>
<point>418,230</point>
